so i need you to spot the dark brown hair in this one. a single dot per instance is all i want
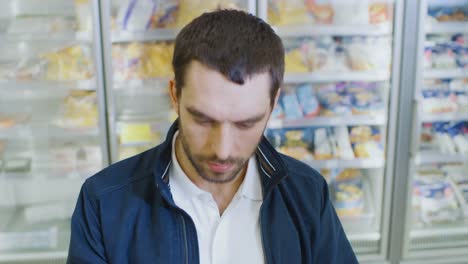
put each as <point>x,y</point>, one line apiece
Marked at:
<point>233,42</point>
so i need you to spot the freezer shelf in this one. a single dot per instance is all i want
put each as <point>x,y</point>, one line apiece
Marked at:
<point>361,230</point>
<point>51,238</point>
<point>444,117</point>
<point>445,73</point>
<point>149,35</point>
<point>367,76</point>
<point>355,120</point>
<point>446,27</point>
<point>334,30</point>
<point>48,86</point>
<point>83,37</point>
<point>430,157</point>
<point>371,163</point>
<point>440,236</point>
<point>22,131</point>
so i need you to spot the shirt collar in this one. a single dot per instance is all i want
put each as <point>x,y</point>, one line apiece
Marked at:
<point>250,188</point>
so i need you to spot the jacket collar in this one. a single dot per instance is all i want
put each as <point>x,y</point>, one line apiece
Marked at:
<point>271,167</point>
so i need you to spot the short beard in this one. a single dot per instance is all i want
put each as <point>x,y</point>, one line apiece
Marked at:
<point>199,170</point>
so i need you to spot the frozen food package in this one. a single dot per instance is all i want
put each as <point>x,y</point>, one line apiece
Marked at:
<point>135,15</point>
<point>380,11</point>
<point>71,63</point>
<point>319,54</point>
<point>29,69</point>
<point>295,62</point>
<point>436,198</point>
<point>321,10</point>
<point>447,11</point>
<point>290,103</point>
<point>79,111</point>
<point>278,112</point>
<point>460,88</point>
<point>189,9</point>
<point>443,139</point>
<point>345,150</point>
<point>84,15</point>
<point>350,12</point>
<point>308,100</point>
<point>334,99</point>
<point>365,97</point>
<point>322,146</point>
<point>141,15</point>
<point>368,53</point>
<point>348,192</point>
<point>436,100</point>
<point>287,12</point>
<point>293,142</point>
<point>142,60</point>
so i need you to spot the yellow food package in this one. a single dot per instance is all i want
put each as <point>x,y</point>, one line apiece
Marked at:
<point>287,12</point>
<point>294,62</point>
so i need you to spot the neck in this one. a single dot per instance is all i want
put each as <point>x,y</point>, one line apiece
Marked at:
<point>222,192</point>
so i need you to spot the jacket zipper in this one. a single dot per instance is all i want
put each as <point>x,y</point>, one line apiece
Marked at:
<point>185,239</point>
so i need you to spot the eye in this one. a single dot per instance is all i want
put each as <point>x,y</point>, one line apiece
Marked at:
<point>245,125</point>
<point>203,121</point>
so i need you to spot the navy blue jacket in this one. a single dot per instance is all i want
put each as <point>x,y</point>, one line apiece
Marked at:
<point>126,214</point>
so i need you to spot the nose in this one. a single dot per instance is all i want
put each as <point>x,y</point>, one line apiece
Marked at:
<point>222,141</point>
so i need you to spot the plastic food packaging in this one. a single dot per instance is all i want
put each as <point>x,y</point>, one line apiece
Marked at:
<point>71,63</point>
<point>346,12</point>
<point>435,198</point>
<point>142,60</point>
<point>287,12</point>
<point>292,142</point>
<point>308,100</point>
<point>84,15</point>
<point>349,193</point>
<point>79,110</point>
<point>141,15</point>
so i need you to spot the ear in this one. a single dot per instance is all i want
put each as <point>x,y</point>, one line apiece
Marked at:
<point>173,96</point>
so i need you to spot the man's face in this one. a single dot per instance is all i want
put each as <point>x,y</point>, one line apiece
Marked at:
<point>221,122</point>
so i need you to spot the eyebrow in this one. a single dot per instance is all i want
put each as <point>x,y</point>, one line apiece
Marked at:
<point>199,114</point>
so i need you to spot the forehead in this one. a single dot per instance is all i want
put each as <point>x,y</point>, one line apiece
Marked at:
<point>209,91</point>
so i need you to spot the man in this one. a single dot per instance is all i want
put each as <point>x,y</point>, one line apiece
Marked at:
<point>215,191</point>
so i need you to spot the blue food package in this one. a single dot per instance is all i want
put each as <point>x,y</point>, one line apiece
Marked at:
<point>291,106</point>
<point>293,142</point>
<point>335,100</point>
<point>278,112</point>
<point>308,100</point>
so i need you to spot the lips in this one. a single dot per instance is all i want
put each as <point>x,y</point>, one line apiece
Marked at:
<point>220,167</point>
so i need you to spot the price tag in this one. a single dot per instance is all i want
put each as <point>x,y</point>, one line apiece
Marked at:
<point>135,132</point>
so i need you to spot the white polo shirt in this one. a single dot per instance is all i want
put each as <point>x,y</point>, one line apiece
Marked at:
<point>233,237</point>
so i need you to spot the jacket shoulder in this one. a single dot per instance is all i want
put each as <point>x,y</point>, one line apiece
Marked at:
<point>121,173</point>
<point>302,173</point>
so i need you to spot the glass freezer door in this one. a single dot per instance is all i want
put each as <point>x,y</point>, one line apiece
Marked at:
<point>438,218</point>
<point>334,110</point>
<point>138,46</point>
<point>52,134</point>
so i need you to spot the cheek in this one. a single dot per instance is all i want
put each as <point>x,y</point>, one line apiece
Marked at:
<point>196,136</point>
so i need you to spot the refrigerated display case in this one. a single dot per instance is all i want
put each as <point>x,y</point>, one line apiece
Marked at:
<point>436,226</point>
<point>138,45</point>
<point>52,122</point>
<point>337,105</point>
